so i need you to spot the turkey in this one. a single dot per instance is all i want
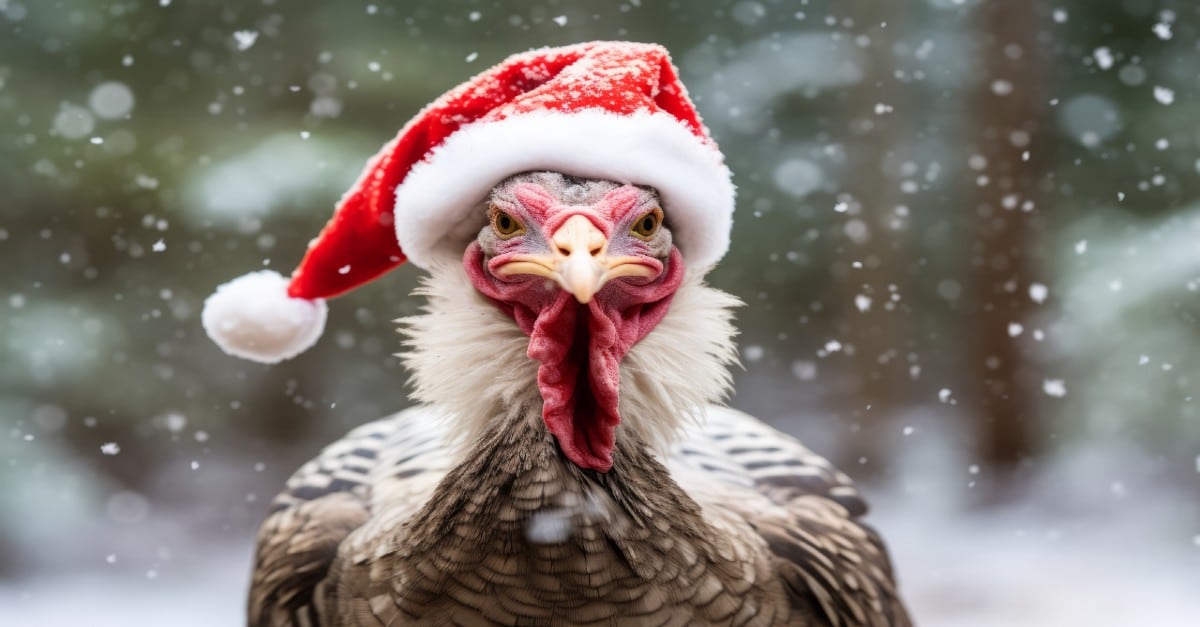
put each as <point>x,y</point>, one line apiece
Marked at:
<point>568,462</point>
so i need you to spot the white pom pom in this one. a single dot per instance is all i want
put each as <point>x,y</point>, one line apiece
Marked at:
<point>253,317</point>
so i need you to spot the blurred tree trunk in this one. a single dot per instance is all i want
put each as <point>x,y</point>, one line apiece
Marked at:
<point>871,265</point>
<point>1005,164</point>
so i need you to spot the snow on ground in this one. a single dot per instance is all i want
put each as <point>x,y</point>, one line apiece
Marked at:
<point>1074,549</point>
<point>1017,567</point>
<point>203,589</point>
<point>991,568</point>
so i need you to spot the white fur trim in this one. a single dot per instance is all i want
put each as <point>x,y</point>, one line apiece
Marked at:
<point>253,317</point>
<point>668,379</point>
<point>434,202</point>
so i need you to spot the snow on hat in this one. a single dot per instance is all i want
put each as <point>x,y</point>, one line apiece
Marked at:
<point>611,110</point>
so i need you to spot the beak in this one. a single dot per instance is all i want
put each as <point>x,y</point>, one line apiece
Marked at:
<point>578,261</point>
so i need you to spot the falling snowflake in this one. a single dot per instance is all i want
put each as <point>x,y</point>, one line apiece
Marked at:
<point>245,38</point>
<point>1038,292</point>
<point>804,370</point>
<point>1104,57</point>
<point>1163,30</point>
<point>1164,95</point>
<point>1054,387</point>
<point>110,448</point>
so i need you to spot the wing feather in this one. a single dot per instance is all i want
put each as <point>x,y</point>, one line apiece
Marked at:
<point>390,464</point>
<point>806,513</point>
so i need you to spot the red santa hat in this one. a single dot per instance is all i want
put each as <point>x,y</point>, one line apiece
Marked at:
<point>611,110</point>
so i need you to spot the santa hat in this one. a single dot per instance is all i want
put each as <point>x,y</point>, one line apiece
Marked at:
<point>611,110</point>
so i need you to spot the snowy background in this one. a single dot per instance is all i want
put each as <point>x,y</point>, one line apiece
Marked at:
<point>968,237</point>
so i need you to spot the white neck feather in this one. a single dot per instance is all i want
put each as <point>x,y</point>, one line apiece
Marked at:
<point>468,359</point>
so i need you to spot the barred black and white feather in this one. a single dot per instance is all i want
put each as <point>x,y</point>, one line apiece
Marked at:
<point>708,517</point>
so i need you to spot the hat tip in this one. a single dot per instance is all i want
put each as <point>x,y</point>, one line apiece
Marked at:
<point>254,318</point>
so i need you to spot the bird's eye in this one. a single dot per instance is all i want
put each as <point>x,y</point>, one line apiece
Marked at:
<point>646,226</point>
<point>505,225</point>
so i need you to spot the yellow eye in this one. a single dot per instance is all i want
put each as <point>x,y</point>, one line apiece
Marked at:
<point>505,225</point>
<point>646,226</point>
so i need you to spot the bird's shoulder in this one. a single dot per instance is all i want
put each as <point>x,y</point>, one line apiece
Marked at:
<point>389,465</point>
<point>801,513</point>
<point>729,448</point>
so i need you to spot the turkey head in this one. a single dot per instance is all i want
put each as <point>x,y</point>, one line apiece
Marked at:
<point>586,268</point>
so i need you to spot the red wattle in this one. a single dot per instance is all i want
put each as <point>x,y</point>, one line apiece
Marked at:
<point>580,348</point>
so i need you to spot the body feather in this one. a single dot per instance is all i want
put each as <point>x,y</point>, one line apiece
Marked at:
<point>708,516</point>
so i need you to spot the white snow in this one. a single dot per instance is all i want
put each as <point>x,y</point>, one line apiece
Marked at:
<point>549,526</point>
<point>1081,247</point>
<point>110,448</point>
<point>1090,118</point>
<point>1054,387</point>
<point>73,122</point>
<point>798,177</point>
<point>1015,329</point>
<point>862,302</point>
<point>1103,56</point>
<point>1162,30</point>
<point>1038,292</point>
<point>1039,562</point>
<point>111,100</point>
<point>244,39</point>
<point>804,370</point>
<point>560,20</point>
<point>1164,95</point>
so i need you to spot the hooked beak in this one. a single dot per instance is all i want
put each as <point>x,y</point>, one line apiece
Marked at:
<point>578,261</point>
